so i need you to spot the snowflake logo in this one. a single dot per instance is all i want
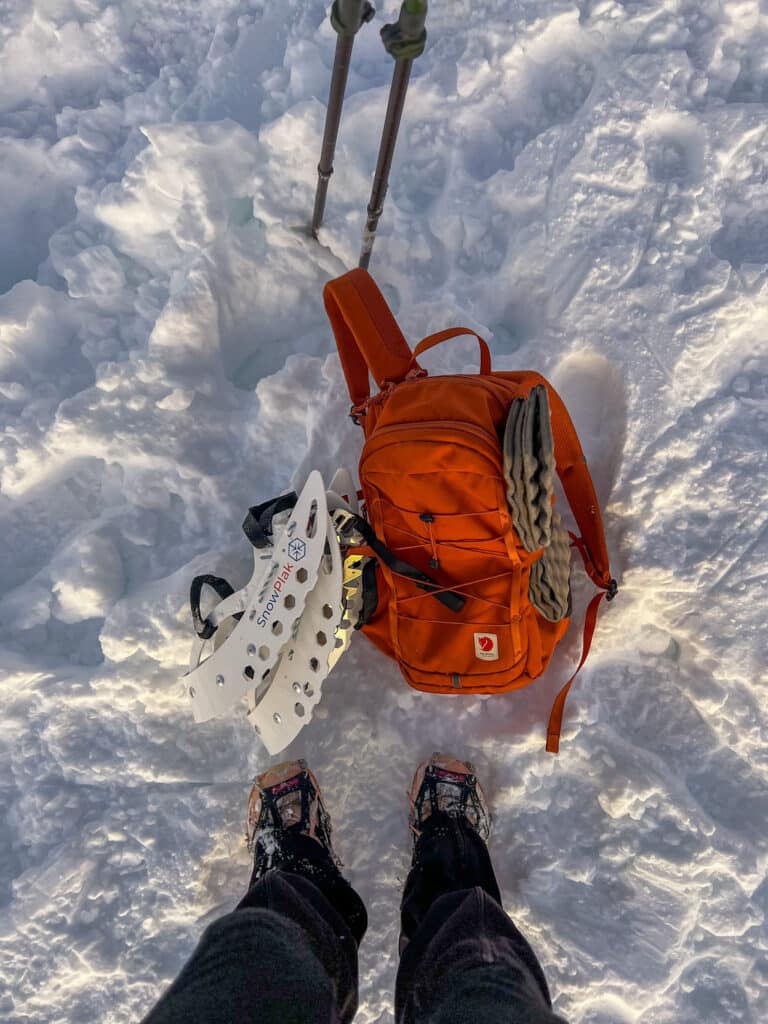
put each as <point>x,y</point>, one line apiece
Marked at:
<point>297,549</point>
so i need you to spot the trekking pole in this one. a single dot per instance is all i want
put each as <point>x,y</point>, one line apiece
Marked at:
<point>404,40</point>
<point>346,17</point>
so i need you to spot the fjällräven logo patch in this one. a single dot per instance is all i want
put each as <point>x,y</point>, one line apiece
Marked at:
<point>487,646</point>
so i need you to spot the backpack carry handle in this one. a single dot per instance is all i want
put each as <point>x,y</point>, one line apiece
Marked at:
<point>457,332</point>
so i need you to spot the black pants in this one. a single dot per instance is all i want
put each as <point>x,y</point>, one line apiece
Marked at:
<point>288,953</point>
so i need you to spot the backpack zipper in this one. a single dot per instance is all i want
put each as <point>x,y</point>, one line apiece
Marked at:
<point>490,441</point>
<point>484,382</point>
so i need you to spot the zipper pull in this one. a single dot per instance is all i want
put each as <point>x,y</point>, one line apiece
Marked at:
<point>428,518</point>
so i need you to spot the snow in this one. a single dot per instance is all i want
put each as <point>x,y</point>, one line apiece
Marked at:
<point>583,183</point>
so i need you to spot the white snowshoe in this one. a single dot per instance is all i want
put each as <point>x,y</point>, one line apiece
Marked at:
<point>278,637</point>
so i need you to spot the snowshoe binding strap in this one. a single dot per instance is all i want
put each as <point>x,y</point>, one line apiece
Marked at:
<point>221,587</point>
<point>257,525</point>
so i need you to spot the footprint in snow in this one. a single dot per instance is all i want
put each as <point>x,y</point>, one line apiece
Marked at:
<point>674,149</point>
<point>548,96</point>
<point>743,195</point>
<point>743,238</point>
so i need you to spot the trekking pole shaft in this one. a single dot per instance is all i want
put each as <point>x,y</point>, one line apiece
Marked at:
<point>395,106</point>
<point>404,41</point>
<point>341,61</point>
<point>346,18</point>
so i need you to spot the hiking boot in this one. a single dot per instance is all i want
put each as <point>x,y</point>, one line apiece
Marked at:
<point>285,802</point>
<point>443,784</point>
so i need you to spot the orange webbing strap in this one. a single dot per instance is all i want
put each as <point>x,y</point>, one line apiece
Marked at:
<point>580,490</point>
<point>367,335</point>
<point>556,715</point>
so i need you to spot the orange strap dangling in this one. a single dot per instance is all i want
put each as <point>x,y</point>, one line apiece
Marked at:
<point>556,715</point>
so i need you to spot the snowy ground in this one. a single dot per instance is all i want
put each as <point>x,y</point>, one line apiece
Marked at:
<point>587,184</point>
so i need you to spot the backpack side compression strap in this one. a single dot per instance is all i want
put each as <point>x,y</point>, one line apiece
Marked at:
<point>579,488</point>
<point>367,334</point>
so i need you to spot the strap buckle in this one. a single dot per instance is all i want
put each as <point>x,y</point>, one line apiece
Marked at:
<point>345,525</point>
<point>416,373</point>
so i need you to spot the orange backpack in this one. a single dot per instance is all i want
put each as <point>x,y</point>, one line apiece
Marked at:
<point>431,474</point>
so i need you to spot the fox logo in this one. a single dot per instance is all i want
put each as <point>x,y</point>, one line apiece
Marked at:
<point>487,646</point>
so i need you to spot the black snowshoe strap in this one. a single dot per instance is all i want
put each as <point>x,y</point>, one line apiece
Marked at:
<point>453,601</point>
<point>223,589</point>
<point>370,600</point>
<point>257,525</point>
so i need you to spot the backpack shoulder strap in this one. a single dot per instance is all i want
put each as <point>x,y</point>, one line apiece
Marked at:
<point>367,334</point>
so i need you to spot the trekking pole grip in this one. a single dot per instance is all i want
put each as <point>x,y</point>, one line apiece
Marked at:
<point>457,332</point>
<point>348,15</point>
<point>407,37</point>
